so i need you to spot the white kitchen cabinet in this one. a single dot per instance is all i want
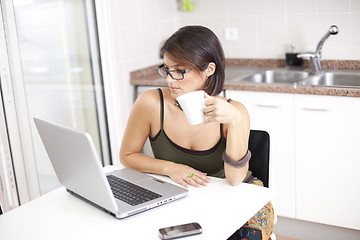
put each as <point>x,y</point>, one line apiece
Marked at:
<point>273,112</point>
<point>327,146</point>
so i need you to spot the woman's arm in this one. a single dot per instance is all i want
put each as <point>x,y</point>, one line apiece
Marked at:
<point>144,112</point>
<point>236,122</point>
<point>237,140</point>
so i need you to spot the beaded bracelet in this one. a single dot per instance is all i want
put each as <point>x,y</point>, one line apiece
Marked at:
<point>238,164</point>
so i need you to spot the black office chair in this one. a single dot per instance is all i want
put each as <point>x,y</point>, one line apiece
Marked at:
<point>259,145</point>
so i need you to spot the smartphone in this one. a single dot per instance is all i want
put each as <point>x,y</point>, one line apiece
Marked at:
<point>180,230</point>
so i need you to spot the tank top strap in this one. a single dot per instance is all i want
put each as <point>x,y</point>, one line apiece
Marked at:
<point>161,108</point>
<point>221,130</point>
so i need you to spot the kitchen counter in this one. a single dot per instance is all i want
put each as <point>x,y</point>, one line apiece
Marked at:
<point>236,67</point>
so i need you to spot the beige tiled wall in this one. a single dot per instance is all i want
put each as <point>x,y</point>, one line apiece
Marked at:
<point>139,26</point>
<point>266,28</point>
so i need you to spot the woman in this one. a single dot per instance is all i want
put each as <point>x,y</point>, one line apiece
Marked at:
<point>188,154</point>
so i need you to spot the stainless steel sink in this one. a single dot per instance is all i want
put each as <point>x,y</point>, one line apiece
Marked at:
<point>338,78</point>
<point>233,74</point>
<point>333,78</point>
<point>276,76</point>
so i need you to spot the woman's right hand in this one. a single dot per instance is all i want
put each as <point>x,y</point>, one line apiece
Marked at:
<point>185,176</point>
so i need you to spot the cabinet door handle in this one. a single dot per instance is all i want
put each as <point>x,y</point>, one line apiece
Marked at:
<point>317,109</point>
<point>268,105</point>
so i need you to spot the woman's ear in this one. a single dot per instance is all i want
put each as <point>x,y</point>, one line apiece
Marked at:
<point>210,69</point>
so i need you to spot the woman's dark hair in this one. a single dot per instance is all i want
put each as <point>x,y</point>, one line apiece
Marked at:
<point>196,47</point>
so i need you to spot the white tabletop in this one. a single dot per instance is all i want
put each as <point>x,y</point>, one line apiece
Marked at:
<point>219,208</point>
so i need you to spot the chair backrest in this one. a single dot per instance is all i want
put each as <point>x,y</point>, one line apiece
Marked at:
<point>259,145</point>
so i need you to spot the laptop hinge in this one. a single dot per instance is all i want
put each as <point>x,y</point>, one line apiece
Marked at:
<point>90,202</point>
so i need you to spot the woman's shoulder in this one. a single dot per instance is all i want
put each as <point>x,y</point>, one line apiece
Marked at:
<point>145,101</point>
<point>235,103</point>
<point>149,96</point>
<point>240,107</point>
<point>150,99</point>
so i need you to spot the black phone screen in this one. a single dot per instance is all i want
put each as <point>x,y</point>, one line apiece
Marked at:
<point>180,230</point>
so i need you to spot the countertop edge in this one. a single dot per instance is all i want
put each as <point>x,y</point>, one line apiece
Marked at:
<point>149,77</point>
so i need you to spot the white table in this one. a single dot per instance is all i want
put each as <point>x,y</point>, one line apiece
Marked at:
<point>219,208</point>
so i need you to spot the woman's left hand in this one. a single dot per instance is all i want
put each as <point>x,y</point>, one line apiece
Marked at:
<point>219,110</point>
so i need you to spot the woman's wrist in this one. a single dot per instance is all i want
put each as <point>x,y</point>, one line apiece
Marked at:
<point>168,165</point>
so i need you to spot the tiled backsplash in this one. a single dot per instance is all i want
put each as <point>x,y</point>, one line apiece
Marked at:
<point>267,28</point>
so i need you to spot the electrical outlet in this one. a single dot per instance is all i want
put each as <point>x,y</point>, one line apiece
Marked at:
<point>231,34</point>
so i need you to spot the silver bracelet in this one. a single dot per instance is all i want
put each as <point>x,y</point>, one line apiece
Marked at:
<point>238,164</point>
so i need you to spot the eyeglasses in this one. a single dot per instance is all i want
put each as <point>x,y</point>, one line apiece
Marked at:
<point>174,74</point>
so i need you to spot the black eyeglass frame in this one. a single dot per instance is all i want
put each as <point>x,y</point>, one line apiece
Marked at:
<point>168,72</point>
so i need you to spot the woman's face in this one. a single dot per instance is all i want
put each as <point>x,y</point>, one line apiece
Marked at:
<point>192,81</point>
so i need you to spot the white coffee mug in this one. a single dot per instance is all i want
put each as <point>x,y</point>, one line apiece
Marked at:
<point>192,104</point>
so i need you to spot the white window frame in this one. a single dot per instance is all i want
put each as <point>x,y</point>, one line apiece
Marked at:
<point>18,125</point>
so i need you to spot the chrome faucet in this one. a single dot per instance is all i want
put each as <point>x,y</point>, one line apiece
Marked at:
<point>315,57</point>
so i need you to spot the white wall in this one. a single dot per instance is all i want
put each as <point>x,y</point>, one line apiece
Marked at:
<point>266,28</point>
<point>130,36</point>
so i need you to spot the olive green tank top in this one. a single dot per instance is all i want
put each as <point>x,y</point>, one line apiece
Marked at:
<point>208,161</point>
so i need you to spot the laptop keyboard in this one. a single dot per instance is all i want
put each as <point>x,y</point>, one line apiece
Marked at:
<point>129,192</point>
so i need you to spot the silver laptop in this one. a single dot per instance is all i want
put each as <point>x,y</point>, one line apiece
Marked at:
<point>121,193</point>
